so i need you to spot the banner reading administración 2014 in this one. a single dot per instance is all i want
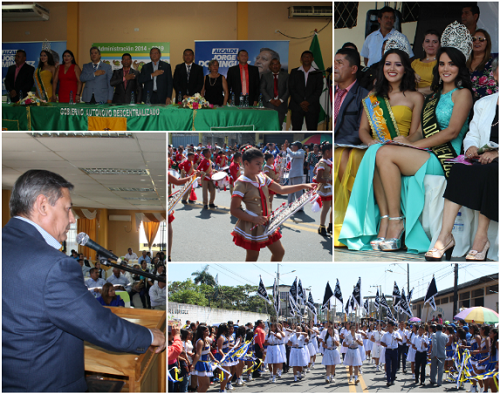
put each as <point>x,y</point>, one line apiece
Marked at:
<point>111,53</point>
<point>260,54</point>
<point>32,50</point>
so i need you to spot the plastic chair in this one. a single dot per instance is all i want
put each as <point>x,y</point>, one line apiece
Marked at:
<point>124,296</point>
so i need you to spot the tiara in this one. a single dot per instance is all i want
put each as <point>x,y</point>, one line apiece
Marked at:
<point>46,46</point>
<point>457,36</point>
<point>398,41</point>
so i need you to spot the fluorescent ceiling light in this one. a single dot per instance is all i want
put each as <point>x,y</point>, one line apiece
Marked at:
<point>131,189</point>
<point>114,171</point>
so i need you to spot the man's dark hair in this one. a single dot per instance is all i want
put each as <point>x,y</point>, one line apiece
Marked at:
<point>21,51</point>
<point>205,151</point>
<point>385,9</point>
<point>98,50</point>
<point>439,327</point>
<point>267,156</point>
<point>127,54</point>
<point>257,323</point>
<point>242,50</point>
<point>351,56</point>
<point>305,52</point>
<point>391,323</point>
<point>473,8</point>
<point>350,44</point>
<point>188,50</point>
<point>92,270</point>
<point>151,50</point>
<point>30,185</point>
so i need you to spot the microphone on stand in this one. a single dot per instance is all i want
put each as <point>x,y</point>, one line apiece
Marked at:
<point>84,240</point>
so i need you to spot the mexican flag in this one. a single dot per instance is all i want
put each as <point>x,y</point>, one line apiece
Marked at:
<point>324,100</point>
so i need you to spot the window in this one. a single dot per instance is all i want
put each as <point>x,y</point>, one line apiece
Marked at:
<point>444,300</point>
<point>491,289</point>
<point>410,12</point>
<point>464,296</point>
<point>438,302</point>
<point>479,301</point>
<point>284,295</point>
<point>71,240</point>
<point>346,14</point>
<point>160,241</point>
<point>477,293</point>
<point>464,304</point>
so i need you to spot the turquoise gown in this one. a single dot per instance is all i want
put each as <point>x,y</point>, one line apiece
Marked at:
<point>362,215</point>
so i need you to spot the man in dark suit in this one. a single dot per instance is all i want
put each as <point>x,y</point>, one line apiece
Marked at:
<point>19,77</point>
<point>97,77</point>
<point>245,79</point>
<point>349,94</point>
<point>157,79</point>
<point>274,89</point>
<point>125,81</point>
<point>305,85</point>
<point>44,328</point>
<point>188,76</point>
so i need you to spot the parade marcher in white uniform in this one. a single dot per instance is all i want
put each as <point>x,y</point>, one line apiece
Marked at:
<point>201,361</point>
<point>403,346</point>
<point>274,357</point>
<point>331,355</point>
<point>411,350</point>
<point>312,347</point>
<point>282,342</point>
<point>377,349</point>
<point>344,331</point>
<point>361,349</point>
<point>353,341</point>
<point>298,354</point>
<point>390,341</point>
<point>368,344</point>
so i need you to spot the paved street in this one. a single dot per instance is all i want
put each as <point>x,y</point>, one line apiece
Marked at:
<point>314,382</point>
<point>205,235</point>
<point>344,254</point>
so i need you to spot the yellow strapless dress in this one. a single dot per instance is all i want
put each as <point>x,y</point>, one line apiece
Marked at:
<point>343,187</point>
<point>46,77</point>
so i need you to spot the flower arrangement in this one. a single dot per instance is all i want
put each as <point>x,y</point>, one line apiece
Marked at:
<point>31,99</point>
<point>196,102</point>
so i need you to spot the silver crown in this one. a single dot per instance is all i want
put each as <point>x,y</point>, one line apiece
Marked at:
<point>457,36</point>
<point>46,46</point>
<point>398,41</point>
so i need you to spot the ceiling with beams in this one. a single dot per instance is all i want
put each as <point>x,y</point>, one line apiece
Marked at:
<point>66,154</point>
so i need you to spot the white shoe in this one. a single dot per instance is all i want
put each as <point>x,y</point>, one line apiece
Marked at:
<point>332,378</point>
<point>274,379</point>
<point>473,389</point>
<point>376,370</point>
<point>413,376</point>
<point>356,380</point>
<point>308,370</point>
<point>360,372</point>
<point>350,379</point>
<point>295,378</point>
<point>327,379</point>
<point>249,378</point>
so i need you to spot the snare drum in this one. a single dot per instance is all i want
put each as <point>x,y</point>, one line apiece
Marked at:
<point>174,173</point>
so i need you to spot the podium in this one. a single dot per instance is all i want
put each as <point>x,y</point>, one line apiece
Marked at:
<point>140,373</point>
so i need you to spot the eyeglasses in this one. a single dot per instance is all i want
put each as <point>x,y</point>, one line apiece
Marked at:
<point>480,39</point>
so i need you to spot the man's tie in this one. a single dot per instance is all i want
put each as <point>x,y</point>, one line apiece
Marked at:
<point>188,71</point>
<point>95,67</point>
<point>338,99</point>
<point>275,76</point>
<point>244,81</point>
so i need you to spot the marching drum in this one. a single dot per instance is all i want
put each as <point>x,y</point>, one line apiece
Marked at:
<point>174,173</point>
<point>221,180</point>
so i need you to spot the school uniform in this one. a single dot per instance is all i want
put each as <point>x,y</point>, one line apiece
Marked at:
<point>274,353</point>
<point>203,366</point>
<point>270,171</point>
<point>298,354</point>
<point>207,184</point>
<point>331,354</point>
<point>352,357</point>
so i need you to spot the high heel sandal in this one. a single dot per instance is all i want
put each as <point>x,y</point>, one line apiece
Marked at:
<point>435,254</point>
<point>393,244</point>
<point>474,255</point>
<point>376,242</point>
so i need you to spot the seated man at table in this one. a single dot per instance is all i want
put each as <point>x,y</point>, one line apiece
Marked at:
<point>158,295</point>
<point>118,279</point>
<point>97,77</point>
<point>108,296</point>
<point>19,77</point>
<point>125,81</point>
<point>274,89</point>
<point>144,257</point>
<point>95,282</point>
<point>130,255</point>
<point>85,269</point>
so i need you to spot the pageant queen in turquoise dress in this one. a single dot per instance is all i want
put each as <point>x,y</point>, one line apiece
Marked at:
<point>362,218</point>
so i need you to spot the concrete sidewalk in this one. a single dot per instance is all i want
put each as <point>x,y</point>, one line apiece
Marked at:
<point>344,254</point>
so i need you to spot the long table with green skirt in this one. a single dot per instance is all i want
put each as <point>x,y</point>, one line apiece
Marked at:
<point>83,117</point>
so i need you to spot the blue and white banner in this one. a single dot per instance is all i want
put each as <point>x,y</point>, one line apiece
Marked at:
<point>260,54</point>
<point>32,50</point>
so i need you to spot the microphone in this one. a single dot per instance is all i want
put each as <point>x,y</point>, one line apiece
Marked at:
<point>84,240</point>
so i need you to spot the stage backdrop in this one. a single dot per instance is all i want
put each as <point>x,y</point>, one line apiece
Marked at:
<point>111,53</point>
<point>226,53</point>
<point>32,49</point>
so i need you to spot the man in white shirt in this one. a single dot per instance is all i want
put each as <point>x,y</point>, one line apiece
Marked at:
<point>372,48</point>
<point>158,296</point>
<point>95,281</point>
<point>390,342</point>
<point>419,343</point>
<point>403,346</point>
<point>131,255</point>
<point>144,257</point>
<point>118,279</point>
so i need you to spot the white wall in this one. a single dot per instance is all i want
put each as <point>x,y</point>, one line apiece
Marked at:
<point>204,314</point>
<point>357,34</point>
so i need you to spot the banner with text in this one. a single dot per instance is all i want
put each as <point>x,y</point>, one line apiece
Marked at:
<point>32,50</point>
<point>260,54</point>
<point>111,53</point>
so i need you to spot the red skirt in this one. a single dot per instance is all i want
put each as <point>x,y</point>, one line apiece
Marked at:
<point>329,198</point>
<point>247,244</point>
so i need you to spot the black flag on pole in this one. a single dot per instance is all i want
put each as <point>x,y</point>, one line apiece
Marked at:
<point>293,290</point>
<point>410,294</point>
<point>377,301</point>
<point>396,296</point>
<point>327,296</point>
<point>366,306</point>
<point>356,293</point>
<point>262,292</point>
<point>291,304</point>
<point>295,307</point>
<point>310,304</point>
<point>390,316</point>
<point>348,305</point>
<point>432,303</point>
<point>338,293</point>
<point>383,302</point>
<point>353,304</point>
<point>431,291</point>
<point>301,296</point>
<point>403,305</point>
<point>276,298</point>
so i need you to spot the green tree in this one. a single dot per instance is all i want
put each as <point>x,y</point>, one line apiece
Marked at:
<point>188,293</point>
<point>203,277</point>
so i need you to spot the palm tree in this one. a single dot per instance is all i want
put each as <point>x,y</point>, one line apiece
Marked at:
<point>203,277</point>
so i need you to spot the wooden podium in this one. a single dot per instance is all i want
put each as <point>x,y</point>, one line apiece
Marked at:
<point>141,373</point>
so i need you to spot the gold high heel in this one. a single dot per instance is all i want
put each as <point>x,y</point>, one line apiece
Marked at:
<point>474,255</point>
<point>393,244</point>
<point>376,242</point>
<point>435,254</point>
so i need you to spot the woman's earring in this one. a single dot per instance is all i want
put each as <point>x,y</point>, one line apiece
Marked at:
<point>440,81</point>
<point>459,84</point>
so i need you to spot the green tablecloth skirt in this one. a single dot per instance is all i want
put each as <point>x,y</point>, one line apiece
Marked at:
<point>82,117</point>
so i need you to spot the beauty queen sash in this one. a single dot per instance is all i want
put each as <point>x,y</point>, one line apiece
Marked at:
<point>40,88</point>
<point>430,127</point>
<point>381,118</point>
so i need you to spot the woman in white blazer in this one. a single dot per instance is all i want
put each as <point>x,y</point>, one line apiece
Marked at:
<point>474,186</point>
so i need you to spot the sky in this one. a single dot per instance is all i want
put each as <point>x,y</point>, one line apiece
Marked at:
<point>316,276</point>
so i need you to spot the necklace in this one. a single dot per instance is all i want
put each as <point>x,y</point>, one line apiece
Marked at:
<point>430,60</point>
<point>210,80</point>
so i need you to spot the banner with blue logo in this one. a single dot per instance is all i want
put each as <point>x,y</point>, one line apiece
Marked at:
<point>260,54</point>
<point>32,50</point>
